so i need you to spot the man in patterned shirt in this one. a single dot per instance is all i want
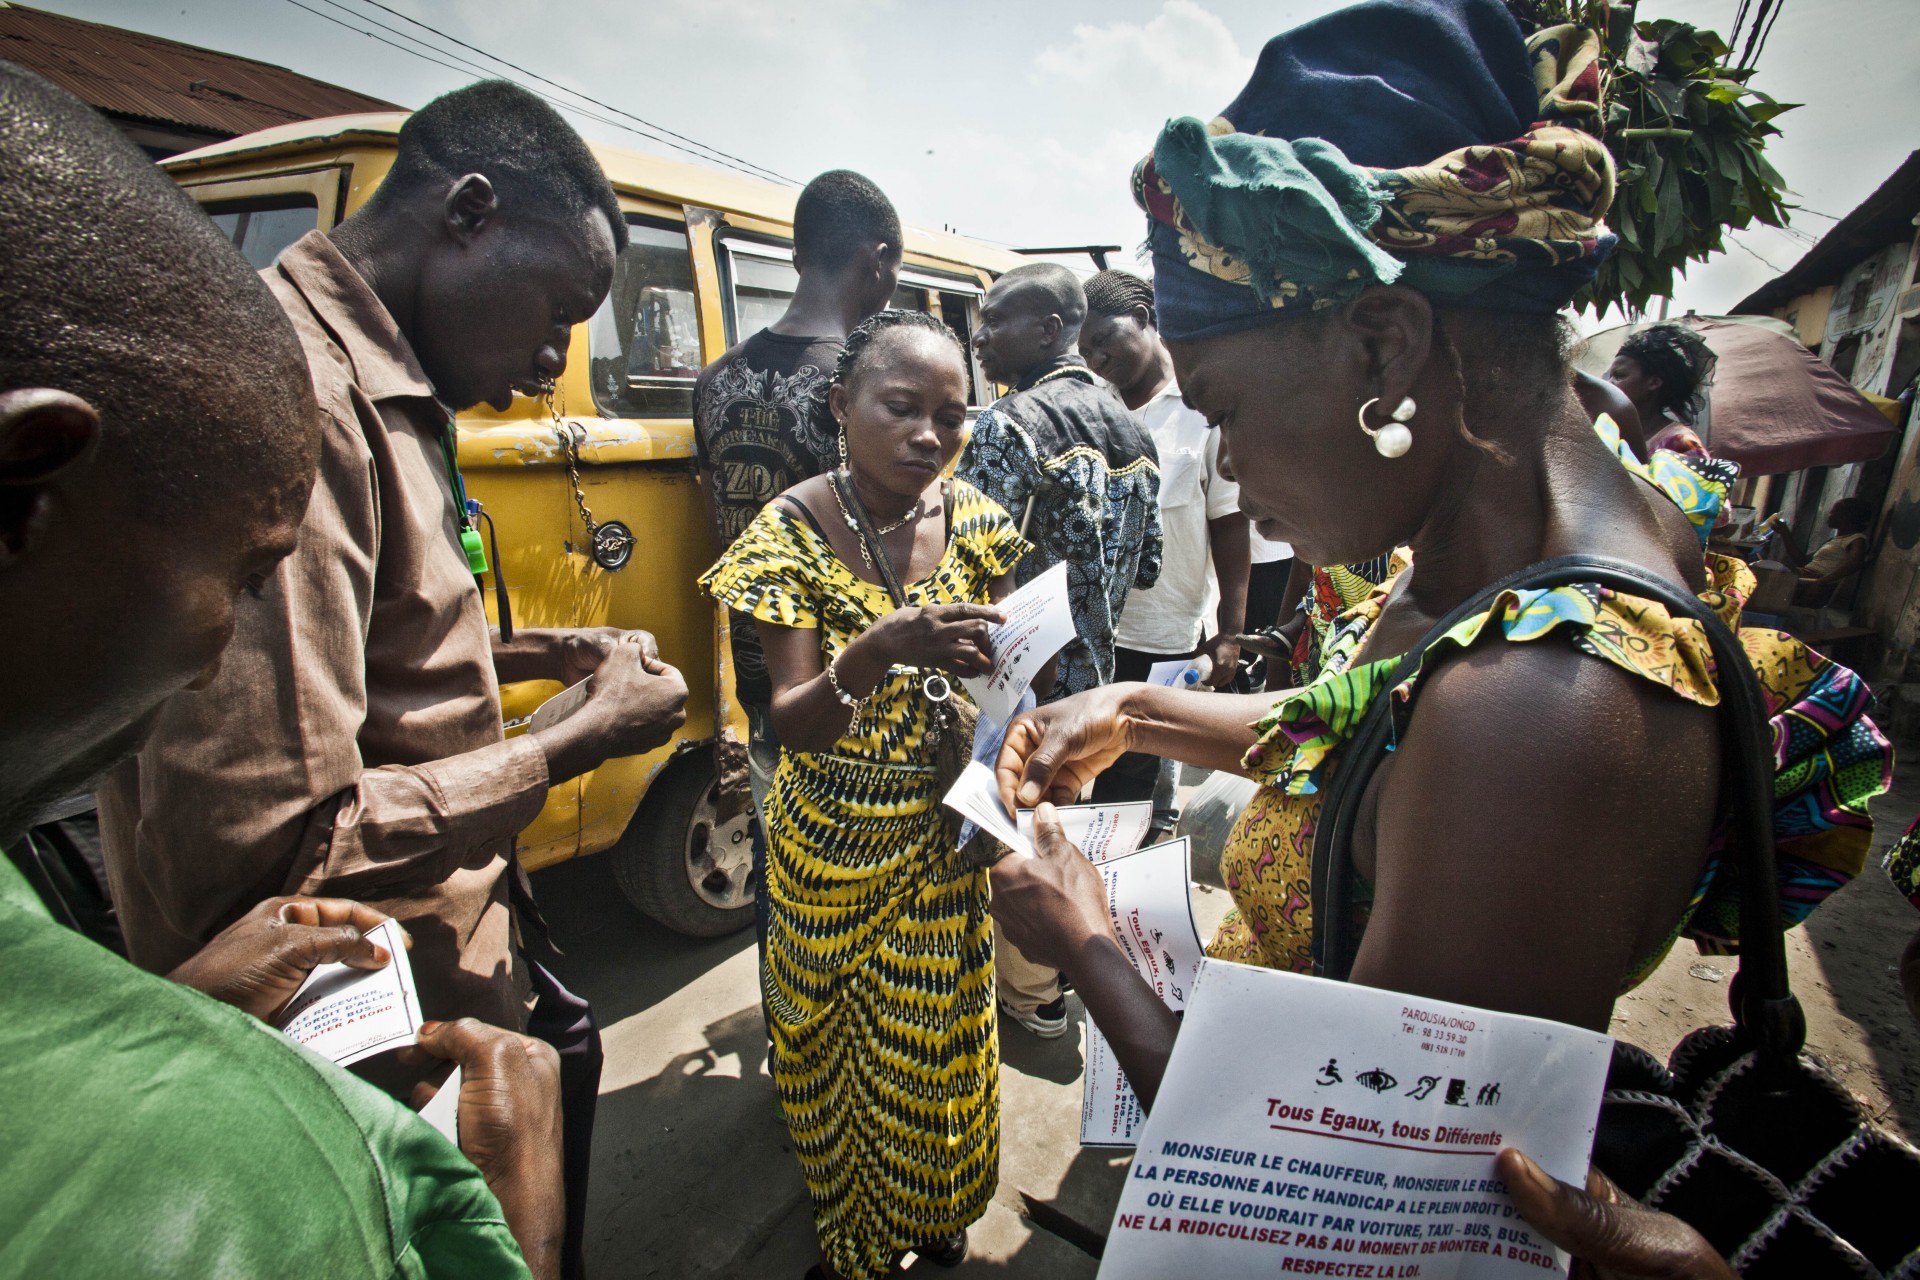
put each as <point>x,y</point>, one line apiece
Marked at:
<point>1077,471</point>
<point>1067,459</point>
<point>760,423</point>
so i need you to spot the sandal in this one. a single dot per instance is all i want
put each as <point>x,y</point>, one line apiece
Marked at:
<point>950,1252</point>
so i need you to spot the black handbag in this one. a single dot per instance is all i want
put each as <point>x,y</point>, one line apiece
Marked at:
<point>1743,1135</point>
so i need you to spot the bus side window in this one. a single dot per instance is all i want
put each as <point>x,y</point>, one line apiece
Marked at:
<point>960,311</point>
<point>763,280</point>
<point>762,288</point>
<point>643,344</point>
<point>260,228</point>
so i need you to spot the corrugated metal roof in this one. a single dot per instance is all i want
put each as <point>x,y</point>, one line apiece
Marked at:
<point>127,73</point>
<point>1881,219</point>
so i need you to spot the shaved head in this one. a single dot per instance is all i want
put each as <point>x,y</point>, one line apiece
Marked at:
<point>119,290</point>
<point>158,439</point>
<point>1049,285</point>
<point>1031,318</point>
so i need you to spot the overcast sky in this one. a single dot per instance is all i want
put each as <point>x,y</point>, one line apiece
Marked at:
<point>1017,121</point>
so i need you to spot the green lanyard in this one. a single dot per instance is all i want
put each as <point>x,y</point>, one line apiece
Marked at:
<point>462,508</point>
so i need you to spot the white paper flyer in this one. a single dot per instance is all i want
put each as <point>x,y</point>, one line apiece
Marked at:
<point>1101,831</point>
<point>988,737</point>
<point>1039,621</point>
<point>346,1014</point>
<point>1320,1128</point>
<point>975,796</point>
<point>1152,911</point>
<point>560,706</point>
<point>443,1109</point>
<point>1172,674</point>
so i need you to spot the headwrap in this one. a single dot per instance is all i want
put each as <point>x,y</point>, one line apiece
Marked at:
<point>1321,178</point>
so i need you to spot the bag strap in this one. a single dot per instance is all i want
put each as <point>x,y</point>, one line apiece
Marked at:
<point>799,508</point>
<point>876,549</point>
<point>1765,1010</point>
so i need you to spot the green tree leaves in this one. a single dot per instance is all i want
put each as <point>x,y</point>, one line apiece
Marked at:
<point>1688,136</point>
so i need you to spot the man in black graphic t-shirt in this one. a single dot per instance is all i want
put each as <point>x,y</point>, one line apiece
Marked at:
<point>761,424</point>
<point>760,421</point>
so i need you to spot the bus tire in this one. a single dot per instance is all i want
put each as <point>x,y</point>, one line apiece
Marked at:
<point>677,865</point>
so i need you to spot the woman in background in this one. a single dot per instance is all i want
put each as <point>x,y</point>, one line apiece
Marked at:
<point>1838,558</point>
<point>1666,370</point>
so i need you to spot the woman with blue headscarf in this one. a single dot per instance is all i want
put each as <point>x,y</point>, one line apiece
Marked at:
<point>1358,269</point>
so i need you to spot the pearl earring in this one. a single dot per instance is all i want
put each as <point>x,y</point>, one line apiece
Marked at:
<point>1392,440</point>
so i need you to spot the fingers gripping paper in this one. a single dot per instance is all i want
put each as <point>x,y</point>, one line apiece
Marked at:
<point>346,1014</point>
<point>1039,621</point>
<point>443,1110</point>
<point>1321,1128</point>
<point>1152,910</point>
<point>1101,831</point>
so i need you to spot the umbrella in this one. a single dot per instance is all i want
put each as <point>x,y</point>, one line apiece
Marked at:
<point>1774,405</point>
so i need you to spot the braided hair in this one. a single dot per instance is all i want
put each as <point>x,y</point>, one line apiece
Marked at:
<point>859,347</point>
<point>860,342</point>
<point>1117,293</point>
<point>1683,362</point>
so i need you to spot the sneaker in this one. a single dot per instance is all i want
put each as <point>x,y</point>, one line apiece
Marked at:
<point>1049,1021</point>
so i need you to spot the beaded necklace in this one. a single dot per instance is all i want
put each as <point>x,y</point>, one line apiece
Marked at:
<point>854,525</point>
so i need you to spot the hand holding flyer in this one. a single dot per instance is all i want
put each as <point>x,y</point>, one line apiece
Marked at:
<point>346,1014</point>
<point>1323,1128</point>
<point>1152,911</point>
<point>1100,831</point>
<point>1039,621</point>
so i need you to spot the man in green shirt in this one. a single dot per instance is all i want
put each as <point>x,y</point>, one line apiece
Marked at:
<point>157,442</point>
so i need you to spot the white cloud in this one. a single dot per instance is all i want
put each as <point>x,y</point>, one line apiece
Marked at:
<point>1184,52</point>
<point>777,19</point>
<point>1092,100</point>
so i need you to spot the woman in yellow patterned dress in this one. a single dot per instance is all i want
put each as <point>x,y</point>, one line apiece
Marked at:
<point>1373,330</point>
<point>879,971</point>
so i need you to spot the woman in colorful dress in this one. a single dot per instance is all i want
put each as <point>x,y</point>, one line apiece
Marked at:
<point>1358,268</point>
<point>879,971</point>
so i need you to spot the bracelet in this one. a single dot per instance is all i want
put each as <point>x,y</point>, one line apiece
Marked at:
<point>846,699</point>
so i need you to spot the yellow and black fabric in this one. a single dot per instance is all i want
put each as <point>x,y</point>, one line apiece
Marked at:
<point>879,973</point>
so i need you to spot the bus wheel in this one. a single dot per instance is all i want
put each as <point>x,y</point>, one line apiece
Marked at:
<point>677,864</point>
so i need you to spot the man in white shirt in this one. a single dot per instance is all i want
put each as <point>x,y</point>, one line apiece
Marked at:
<point>1205,540</point>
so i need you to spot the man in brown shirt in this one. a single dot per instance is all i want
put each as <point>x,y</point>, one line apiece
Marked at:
<point>351,745</point>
